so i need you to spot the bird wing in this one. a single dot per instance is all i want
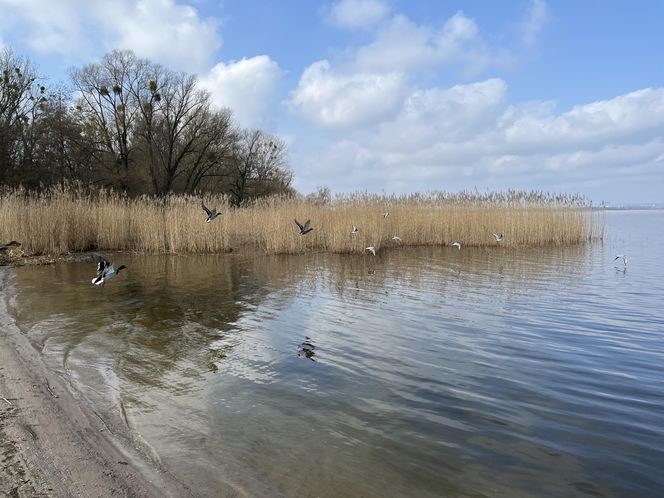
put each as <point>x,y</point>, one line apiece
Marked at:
<point>298,224</point>
<point>306,224</point>
<point>207,211</point>
<point>102,264</point>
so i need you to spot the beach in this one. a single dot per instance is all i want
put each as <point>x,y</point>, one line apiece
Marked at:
<point>52,443</point>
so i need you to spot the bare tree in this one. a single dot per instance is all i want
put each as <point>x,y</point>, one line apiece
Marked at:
<point>134,125</point>
<point>259,167</point>
<point>213,153</point>
<point>108,103</point>
<point>21,101</point>
<point>64,152</point>
<point>185,134</point>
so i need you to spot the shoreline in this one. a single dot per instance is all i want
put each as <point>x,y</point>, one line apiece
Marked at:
<point>53,443</point>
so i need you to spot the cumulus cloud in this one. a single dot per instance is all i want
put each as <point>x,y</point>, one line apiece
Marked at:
<point>247,86</point>
<point>370,84</point>
<point>468,135</point>
<point>163,30</point>
<point>356,14</point>
<point>408,46</point>
<point>335,99</point>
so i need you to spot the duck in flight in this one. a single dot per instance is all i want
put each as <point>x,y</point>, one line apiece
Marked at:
<point>371,249</point>
<point>457,245</point>
<point>211,214</point>
<point>105,271</point>
<point>354,231</point>
<point>386,214</point>
<point>397,238</point>
<point>623,257</point>
<point>498,236</point>
<point>304,229</point>
<point>9,245</point>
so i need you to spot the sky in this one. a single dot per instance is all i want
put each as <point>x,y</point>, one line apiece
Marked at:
<point>399,96</point>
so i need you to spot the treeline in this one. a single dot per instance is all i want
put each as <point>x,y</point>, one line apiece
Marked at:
<point>132,125</point>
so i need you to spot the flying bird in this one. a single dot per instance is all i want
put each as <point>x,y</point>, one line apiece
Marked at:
<point>457,245</point>
<point>105,271</point>
<point>386,214</point>
<point>397,238</point>
<point>355,230</point>
<point>623,257</point>
<point>211,214</point>
<point>9,245</point>
<point>372,250</point>
<point>498,236</point>
<point>304,229</point>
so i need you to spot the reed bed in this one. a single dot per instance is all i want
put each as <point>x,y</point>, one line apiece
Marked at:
<point>67,220</point>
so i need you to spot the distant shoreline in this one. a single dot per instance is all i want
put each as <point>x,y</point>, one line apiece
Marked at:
<point>628,208</point>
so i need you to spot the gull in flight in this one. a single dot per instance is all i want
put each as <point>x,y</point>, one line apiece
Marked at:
<point>304,229</point>
<point>211,214</point>
<point>457,245</point>
<point>498,236</point>
<point>623,257</point>
<point>355,230</point>
<point>372,250</point>
<point>397,238</point>
<point>105,271</point>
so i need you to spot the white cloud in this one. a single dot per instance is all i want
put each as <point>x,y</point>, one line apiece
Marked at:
<point>468,136</point>
<point>247,86</point>
<point>162,30</point>
<point>404,45</point>
<point>376,78</point>
<point>356,14</point>
<point>346,100</point>
<point>538,15</point>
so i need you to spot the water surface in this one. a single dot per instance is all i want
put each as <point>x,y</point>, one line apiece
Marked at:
<point>420,372</point>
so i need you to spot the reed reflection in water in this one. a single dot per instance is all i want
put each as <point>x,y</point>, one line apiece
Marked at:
<point>436,372</point>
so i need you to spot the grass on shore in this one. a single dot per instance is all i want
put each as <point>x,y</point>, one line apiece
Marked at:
<point>67,220</point>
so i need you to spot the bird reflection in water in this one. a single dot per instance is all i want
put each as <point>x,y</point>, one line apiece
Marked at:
<point>307,349</point>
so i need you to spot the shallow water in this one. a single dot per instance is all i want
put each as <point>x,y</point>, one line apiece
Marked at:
<point>420,372</point>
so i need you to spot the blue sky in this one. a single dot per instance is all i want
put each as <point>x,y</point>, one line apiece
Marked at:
<point>399,96</point>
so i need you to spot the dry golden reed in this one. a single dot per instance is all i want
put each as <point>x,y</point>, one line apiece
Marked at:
<point>68,220</point>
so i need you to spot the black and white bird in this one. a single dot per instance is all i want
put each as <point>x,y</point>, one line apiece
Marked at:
<point>623,257</point>
<point>105,271</point>
<point>304,229</point>
<point>397,238</point>
<point>498,236</point>
<point>9,245</point>
<point>386,214</point>
<point>371,249</point>
<point>457,245</point>
<point>354,231</point>
<point>211,214</point>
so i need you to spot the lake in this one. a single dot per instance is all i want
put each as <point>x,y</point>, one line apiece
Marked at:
<point>418,372</point>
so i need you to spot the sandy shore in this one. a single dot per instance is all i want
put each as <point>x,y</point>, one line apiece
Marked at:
<point>52,443</point>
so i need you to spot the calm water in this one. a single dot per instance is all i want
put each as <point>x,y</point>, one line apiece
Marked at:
<point>421,372</point>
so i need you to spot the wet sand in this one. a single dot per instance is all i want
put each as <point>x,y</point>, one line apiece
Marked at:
<point>52,443</point>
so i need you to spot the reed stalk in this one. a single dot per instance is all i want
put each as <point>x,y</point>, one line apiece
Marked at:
<point>69,219</point>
